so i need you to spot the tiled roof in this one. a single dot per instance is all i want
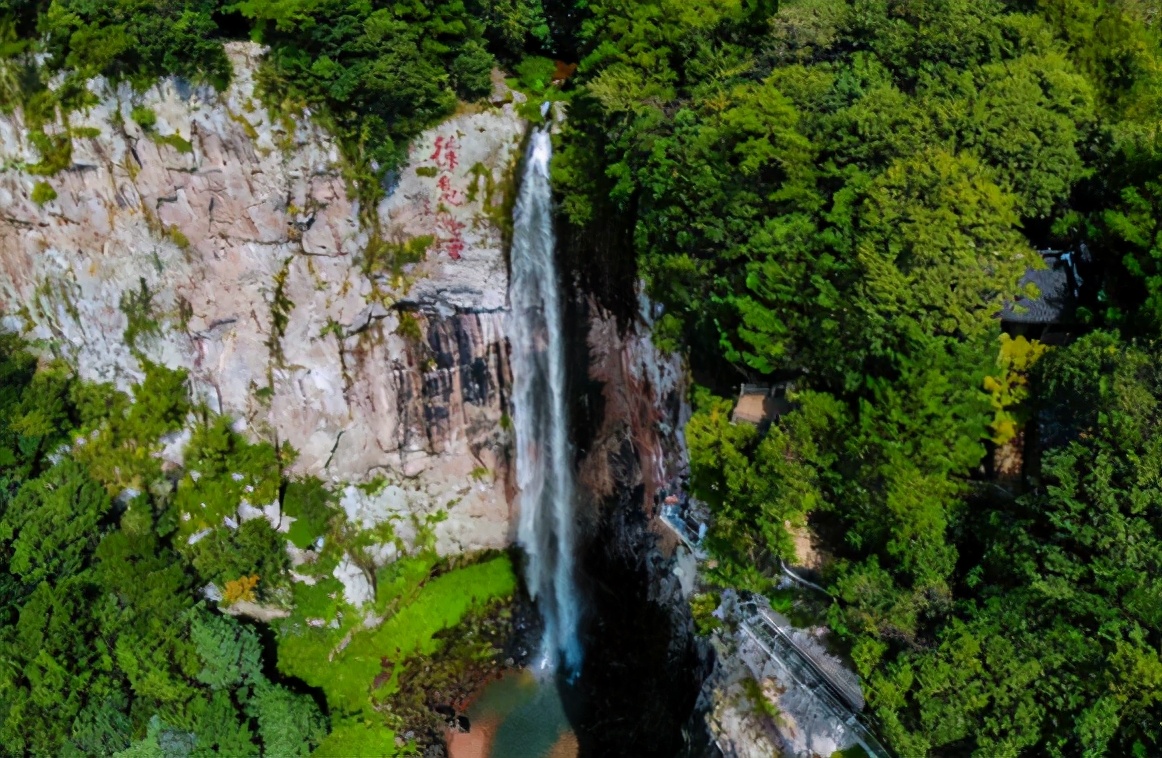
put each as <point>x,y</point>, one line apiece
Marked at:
<point>1057,300</point>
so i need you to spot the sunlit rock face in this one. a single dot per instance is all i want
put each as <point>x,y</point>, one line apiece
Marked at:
<point>234,224</point>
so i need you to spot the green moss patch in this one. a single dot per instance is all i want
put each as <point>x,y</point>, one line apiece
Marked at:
<point>176,141</point>
<point>333,651</point>
<point>144,117</point>
<point>43,193</point>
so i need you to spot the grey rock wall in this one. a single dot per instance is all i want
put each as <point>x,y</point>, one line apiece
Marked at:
<point>249,248</point>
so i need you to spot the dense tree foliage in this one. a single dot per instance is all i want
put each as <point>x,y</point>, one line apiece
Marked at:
<point>383,70</point>
<point>845,193</point>
<point>839,192</point>
<point>104,642</point>
<point>110,563</point>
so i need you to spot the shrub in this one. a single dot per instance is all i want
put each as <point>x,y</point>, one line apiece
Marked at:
<point>536,73</point>
<point>56,152</point>
<point>238,589</point>
<point>137,305</point>
<point>409,327</point>
<point>471,71</point>
<point>144,117</point>
<point>43,193</point>
<point>309,503</point>
<point>253,550</point>
<point>702,606</point>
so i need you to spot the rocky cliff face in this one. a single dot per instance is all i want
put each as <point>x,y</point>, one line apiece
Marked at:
<point>224,241</point>
<point>644,666</point>
<point>638,415</point>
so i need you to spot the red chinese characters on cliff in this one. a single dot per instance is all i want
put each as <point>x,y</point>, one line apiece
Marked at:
<point>449,231</point>
<point>448,193</point>
<point>446,153</point>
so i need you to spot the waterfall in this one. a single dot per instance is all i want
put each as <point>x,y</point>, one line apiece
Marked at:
<point>543,460</point>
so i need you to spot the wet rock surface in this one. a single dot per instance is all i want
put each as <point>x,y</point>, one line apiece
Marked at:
<point>644,666</point>
<point>638,691</point>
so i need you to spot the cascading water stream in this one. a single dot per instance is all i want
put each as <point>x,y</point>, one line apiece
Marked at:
<point>543,459</point>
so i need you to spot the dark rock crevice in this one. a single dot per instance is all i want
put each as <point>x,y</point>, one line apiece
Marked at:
<point>451,380</point>
<point>638,691</point>
<point>644,665</point>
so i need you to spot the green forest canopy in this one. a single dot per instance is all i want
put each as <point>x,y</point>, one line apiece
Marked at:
<point>846,192</point>
<point>375,72</point>
<point>103,637</point>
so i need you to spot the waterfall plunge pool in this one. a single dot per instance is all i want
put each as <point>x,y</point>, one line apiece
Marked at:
<point>519,715</point>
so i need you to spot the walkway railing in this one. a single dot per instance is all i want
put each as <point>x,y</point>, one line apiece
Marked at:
<point>832,689</point>
<point>688,529</point>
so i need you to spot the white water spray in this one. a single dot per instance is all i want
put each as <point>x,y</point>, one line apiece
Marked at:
<point>543,459</point>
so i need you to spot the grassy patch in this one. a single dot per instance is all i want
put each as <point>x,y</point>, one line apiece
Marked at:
<point>754,693</point>
<point>418,609</point>
<point>177,237</point>
<point>382,255</point>
<point>356,739</point>
<point>441,604</point>
<point>247,127</point>
<point>373,486</point>
<point>176,141</point>
<point>56,152</point>
<point>409,327</point>
<point>144,117</point>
